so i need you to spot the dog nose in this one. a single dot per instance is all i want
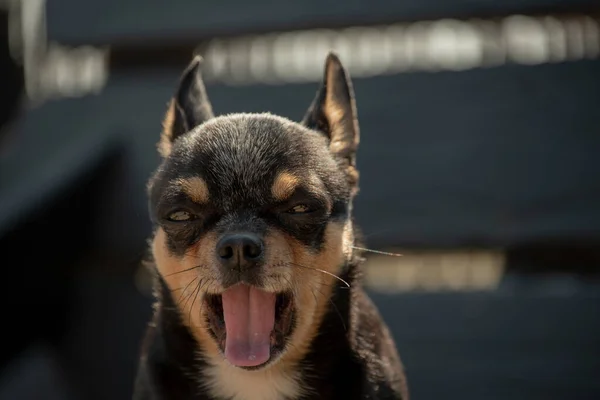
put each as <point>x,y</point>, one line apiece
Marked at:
<point>240,250</point>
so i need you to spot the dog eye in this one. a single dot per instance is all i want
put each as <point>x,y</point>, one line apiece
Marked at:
<point>180,216</point>
<point>299,209</point>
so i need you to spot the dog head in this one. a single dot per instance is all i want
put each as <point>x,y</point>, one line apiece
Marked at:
<point>252,215</point>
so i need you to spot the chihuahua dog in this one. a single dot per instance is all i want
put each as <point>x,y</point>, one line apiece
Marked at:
<point>255,252</point>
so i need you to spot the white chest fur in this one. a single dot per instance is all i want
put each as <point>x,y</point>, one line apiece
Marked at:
<point>226,381</point>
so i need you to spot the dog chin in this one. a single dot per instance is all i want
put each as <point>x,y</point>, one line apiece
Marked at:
<point>258,322</point>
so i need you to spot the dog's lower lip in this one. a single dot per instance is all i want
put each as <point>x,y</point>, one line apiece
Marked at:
<point>284,312</point>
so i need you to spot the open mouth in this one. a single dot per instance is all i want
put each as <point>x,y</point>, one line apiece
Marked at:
<point>251,326</point>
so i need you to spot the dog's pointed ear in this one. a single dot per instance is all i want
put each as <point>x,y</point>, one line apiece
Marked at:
<point>333,112</point>
<point>189,107</point>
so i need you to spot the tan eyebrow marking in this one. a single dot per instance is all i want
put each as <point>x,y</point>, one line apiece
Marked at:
<point>195,187</point>
<point>284,186</point>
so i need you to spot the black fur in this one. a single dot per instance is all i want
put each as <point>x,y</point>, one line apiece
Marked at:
<point>238,156</point>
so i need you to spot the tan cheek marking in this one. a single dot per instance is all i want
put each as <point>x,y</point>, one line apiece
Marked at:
<point>278,257</point>
<point>313,289</point>
<point>196,188</point>
<point>188,283</point>
<point>165,264</point>
<point>284,186</point>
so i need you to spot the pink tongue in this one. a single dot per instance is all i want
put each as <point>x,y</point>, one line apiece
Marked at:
<point>249,320</point>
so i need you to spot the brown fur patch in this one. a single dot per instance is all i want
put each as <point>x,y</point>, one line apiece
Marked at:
<point>196,188</point>
<point>189,278</point>
<point>284,186</point>
<point>313,288</point>
<point>164,145</point>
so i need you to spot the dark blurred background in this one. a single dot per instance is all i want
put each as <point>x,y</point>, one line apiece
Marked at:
<point>480,162</point>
